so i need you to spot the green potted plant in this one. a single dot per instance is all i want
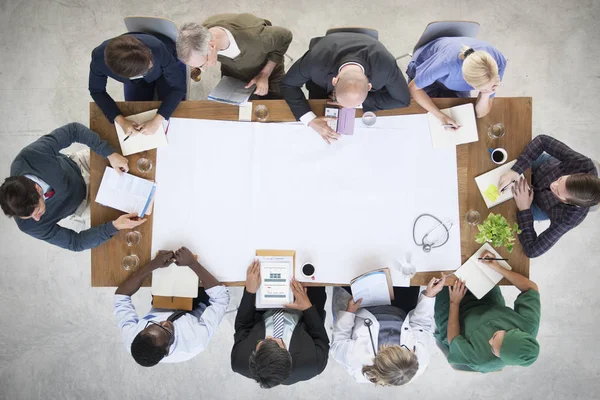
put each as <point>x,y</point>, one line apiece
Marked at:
<point>496,230</point>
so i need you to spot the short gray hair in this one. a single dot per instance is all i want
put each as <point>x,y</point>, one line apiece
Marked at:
<point>192,38</point>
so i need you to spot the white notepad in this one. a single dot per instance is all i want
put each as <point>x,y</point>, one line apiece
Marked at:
<point>276,273</point>
<point>373,288</point>
<point>478,277</point>
<point>175,281</point>
<point>125,192</point>
<point>464,115</point>
<point>139,142</point>
<point>231,91</point>
<point>488,184</point>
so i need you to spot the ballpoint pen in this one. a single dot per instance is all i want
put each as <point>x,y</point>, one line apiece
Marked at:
<point>504,188</point>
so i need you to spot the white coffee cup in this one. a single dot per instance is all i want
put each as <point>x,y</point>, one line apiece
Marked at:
<point>495,155</point>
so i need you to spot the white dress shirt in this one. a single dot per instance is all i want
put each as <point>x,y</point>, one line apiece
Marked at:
<point>309,116</point>
<point>45,187</point>
<point>233,50</point>
<point>290,320</point>
<point>192,331</point>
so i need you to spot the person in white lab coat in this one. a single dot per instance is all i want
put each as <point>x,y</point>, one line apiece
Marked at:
<point>385,345</point>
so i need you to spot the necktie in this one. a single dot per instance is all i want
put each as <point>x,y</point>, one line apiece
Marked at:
<point>49,194</point>
<point>278,324</point>
<point>176,315</point>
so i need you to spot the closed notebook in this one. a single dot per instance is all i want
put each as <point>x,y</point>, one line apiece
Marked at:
<point>175,281</point>
<point>138,143</point>
<point>464,115</point>
<point>374,288</point>
<point>125,192</point>
<point>488,185</point>
<point>478,277</point>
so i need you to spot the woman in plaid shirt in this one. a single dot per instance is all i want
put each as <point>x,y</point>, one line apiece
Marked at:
<point>565,185</point>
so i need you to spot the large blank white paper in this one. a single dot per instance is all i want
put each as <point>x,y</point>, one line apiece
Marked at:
<point>175,281</point>
<point>228,188</point>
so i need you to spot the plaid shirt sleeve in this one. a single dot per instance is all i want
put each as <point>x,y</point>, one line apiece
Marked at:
<point>535,245</point>
<point>545,143</point>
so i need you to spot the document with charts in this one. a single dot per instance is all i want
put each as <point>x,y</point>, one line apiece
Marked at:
<point>488,185</point>
<point>174,280</point>
<point>478,277</point>
<point>138,143</point>
<point>464,115</point>
<point>231,91</point>
<point>374,288</point>
<point>276,273</point>
<point>126,192</point>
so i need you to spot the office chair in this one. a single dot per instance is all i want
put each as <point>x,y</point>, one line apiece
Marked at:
<point>438,29</point>
<point>161,26</point>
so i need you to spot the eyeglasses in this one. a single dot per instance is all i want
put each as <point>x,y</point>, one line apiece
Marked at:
<point>169,333</point>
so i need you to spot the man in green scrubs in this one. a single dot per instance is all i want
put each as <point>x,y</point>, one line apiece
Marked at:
<point>485,335</point>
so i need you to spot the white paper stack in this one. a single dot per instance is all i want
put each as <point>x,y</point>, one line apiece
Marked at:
<point>231,91</point>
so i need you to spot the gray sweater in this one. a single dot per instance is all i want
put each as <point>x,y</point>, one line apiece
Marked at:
<point>43,160</point>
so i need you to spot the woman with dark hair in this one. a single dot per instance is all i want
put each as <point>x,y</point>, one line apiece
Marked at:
<point>565,185</point>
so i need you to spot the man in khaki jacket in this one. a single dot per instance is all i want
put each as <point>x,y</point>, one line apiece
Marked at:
<point>249,48</point>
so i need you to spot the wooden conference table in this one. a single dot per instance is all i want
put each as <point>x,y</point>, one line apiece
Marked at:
<point>473,159</point>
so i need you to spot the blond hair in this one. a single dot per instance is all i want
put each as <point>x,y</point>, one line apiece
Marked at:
<point>192,38</point>
<point>478,68</point>
<point>392,366</point>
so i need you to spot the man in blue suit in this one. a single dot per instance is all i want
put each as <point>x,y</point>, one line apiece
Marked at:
<point>146,64</point>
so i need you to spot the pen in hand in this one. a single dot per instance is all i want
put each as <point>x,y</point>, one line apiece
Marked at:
<point>492,259</point>
<point>505,187</point>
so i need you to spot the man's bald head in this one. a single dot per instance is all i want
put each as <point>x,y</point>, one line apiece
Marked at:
<point>351,88</point>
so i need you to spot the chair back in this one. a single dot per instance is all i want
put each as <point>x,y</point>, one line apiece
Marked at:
<point>162,26</point>
<point>355,29</point>
<point>438,29</point>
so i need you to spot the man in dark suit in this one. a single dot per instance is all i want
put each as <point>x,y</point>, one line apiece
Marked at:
<point>147,65</point>
<point>281,346</point>
<point>356,68</point>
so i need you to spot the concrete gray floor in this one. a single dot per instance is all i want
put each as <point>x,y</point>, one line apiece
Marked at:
<point>58,336</point>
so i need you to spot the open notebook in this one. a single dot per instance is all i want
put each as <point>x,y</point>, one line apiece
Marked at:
<point>488,185</point>
<point>374,288</point>
<point>231,91</point>
<point>175,281</point>
<point>126,192</point>
<point>464,115</point>
<point>478,277</point>
<point>139,143</point>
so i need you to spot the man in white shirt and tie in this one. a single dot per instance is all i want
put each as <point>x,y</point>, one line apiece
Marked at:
<point>280,346</point>
<point>164,336</point>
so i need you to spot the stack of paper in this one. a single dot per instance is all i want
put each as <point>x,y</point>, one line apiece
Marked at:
<point>175,281</point>
<point>139,142</point>
<point>374,288</point>
<point>126,192</point>
<point>488,185</point>
<point>464,115</point>
<point>478,277</point>
<point>231,91</point>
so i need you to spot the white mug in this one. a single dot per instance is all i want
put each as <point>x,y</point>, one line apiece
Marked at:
<point>496,151</point>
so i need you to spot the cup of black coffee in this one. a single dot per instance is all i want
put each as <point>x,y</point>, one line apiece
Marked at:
<point>499,155</point>
<point>308,270</point>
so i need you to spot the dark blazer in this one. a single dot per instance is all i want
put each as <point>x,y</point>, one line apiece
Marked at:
<point>309,345</point>
<point>320,64</point>
<point>165,69</point>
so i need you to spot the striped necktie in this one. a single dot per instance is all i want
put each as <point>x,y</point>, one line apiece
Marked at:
<point>278,324</point>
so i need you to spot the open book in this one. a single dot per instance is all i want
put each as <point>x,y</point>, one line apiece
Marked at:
<point>175,281</point>
<point>126,192</point>
<point>464,115</point>
<point>139,143</point>
<point>276,273</point>
<point>488,185</point>
<point>374,288</point>
<point>231,91</point>
<point>478,277</point>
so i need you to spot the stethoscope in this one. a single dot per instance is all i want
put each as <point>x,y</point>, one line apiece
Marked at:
<point>368,324</point>
<point>425,244</point>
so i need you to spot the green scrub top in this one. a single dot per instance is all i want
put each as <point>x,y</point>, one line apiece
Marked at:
<point>479,320</point>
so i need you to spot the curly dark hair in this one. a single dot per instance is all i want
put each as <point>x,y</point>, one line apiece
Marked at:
<point>145,352</point>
